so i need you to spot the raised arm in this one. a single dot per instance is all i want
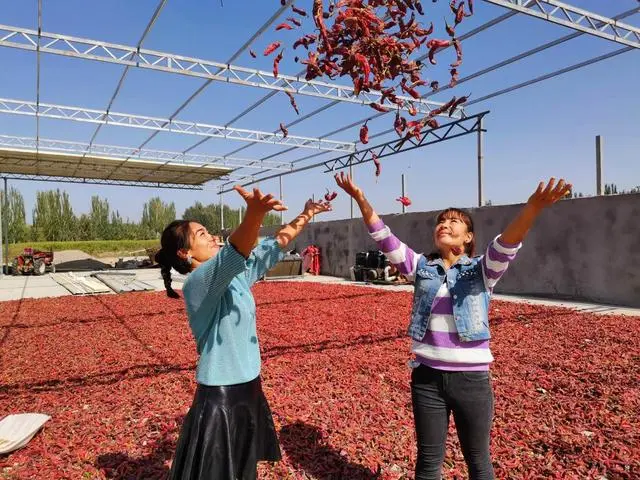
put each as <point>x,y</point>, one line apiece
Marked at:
<point>398,253</point>
<point>542,198</point>
<point>270,251</point>
<point>503,249</point>
<point>245,236</point>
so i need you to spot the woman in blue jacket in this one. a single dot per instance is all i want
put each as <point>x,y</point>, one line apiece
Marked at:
<point>229,427</point>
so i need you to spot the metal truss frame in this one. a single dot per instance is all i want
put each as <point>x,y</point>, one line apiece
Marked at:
<point>455,129</point>
<point>89,49</point>
<point>576,18</point>
<point>131,153</point>
<point>78,114</point>
<point>94,181</point>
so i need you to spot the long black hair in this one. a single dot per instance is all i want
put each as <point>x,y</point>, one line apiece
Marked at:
<point>174,237</point>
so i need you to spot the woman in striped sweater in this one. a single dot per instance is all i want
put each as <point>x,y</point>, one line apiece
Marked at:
<point>450,324</point>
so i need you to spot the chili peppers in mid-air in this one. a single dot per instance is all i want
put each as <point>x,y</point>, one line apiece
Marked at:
<point>252,53</point>
<point>377,163</point>
<point>284,26</point>
<point>329,196</point>
<point>272,47</point>
<point>364,133</point>
<point>299,11</point>
<point>285,132</point>
<point>292,100</point>
<point>276,62</point>
<point>404,201</point>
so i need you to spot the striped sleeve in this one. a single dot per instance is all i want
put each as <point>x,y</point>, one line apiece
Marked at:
<point>398,253</point>
<point>496,261</point>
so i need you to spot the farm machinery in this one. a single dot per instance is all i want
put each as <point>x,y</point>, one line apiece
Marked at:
<point>34,262</point>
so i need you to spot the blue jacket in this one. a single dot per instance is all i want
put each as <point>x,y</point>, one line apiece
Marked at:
<point>469,296</point>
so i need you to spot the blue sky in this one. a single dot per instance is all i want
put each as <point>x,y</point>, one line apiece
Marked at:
<point>536,132</point>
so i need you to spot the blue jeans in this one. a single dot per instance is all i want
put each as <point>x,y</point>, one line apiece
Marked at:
<point>437,393</point>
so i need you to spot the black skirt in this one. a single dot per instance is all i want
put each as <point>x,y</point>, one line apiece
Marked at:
<point>227,431</point>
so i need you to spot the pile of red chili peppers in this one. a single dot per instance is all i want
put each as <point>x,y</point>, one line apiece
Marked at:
<point>372,43</point>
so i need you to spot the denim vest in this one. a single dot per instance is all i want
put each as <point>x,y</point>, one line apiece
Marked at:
<point>469,297</point>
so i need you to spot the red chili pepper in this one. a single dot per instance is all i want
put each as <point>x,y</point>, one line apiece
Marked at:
<point>272,47</point>
<point>470,4</point>
<point>299,11</point>
<point>364,133</point>
<point>283,2</point>
<point>377,163</point>
<point>284,26</point>
<point>329,196</point>
<point>435,85</point>
<point>419,7</point>
<point>458,47</point>
<point>252,53</point>
<point>413,111</point>
<point>457,103</point>
<point>292,100</point>
<point>364,63</point>
<point>454,77</point>
<point>460,13</point>
<point>404,200</point>
<point>378,107</point>
<point>452,6</point>
<point>432,123</point>
<point>276,61</point>
<point>450,30</point>
<point>295,21</point>
<point>285,132</point>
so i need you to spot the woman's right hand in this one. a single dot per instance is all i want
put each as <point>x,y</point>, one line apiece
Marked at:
<point>346,183</point>
<point>258,202</point>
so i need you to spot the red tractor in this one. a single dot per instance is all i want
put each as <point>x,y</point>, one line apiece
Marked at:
<point>35,262</point>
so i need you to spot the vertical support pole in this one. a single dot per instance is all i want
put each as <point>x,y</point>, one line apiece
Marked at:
<point>4,202</point>
<point>313,199</point>
<point>282,200</point>
<point>480,164</point>
<point>404,207</point>
<point>5,229</point>
<point>351,175</point>
<point>599,177</point>
<point>221,213</point>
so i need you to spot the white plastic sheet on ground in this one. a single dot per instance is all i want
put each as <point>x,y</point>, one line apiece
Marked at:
<point>17,430</point>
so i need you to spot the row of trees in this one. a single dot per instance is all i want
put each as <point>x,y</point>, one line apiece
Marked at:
<point>55,220</point>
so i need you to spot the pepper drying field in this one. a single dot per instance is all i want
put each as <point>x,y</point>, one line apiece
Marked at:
<point>116,375</point>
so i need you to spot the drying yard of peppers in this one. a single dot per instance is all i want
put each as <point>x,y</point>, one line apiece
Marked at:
<point>116,374</point>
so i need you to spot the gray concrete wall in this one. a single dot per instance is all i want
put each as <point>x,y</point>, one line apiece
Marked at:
<point>584,249</point>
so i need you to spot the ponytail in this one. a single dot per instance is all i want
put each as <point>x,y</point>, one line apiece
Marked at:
<point>165,270</point>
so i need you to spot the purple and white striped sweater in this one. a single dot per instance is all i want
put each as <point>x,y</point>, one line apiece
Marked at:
<point>441,348</point>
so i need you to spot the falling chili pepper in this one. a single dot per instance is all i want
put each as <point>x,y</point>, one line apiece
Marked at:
<point>413,111</point>
<point>283,2</point>
<point>419,7</point>
<point>434,46</point>
<point>452,6</point>
<point>435,85</point>
<point>329,196</point>
<point>299,11</point>
<point>284,26</point>
<point>285,132</point>
<point>404,201</point>
<point>457,103</point>
<point>458,47</point>
<point>292,100</point>
<point>450,30</point>
<point>272,47</point>
<point>432,123</point>
<point>470,4</point>
<point>378,107</point>
<point>295,21</point>
<point>377,163</point>
<point>364,133</point>
<point>276,62</point>
<point>460,13</point>
<point>252,53</point>
<point>454,77</point>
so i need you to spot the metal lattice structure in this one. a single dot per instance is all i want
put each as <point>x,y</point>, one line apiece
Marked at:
<point>251,170</point>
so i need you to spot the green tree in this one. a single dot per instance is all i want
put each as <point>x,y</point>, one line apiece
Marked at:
<point>52,216</point>
<point>14,216</point>
<point>99,218</point>
<point>156,215</point>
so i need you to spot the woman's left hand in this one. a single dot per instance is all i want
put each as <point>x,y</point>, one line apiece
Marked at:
<point>545,196</point>
<point>313,208</point>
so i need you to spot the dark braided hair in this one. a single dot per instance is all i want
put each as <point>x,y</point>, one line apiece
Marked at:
<point>174,238</point>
